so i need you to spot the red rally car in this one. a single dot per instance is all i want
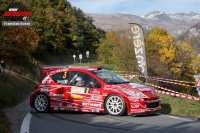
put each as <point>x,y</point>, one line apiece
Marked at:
<point>92,89</point>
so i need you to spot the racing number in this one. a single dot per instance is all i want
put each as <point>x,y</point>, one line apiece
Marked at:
<point>65,75</point>
<point>87,90</point>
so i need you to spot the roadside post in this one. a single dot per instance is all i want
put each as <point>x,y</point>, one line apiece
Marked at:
<point>74,56</point>
<point>87,55</point>
<point>80,57</point>
<point>197,78</point>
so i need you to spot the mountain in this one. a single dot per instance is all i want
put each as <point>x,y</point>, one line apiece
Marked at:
<point>193,34</point>
<point>176,24</point>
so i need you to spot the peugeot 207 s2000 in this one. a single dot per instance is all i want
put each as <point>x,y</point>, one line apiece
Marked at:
<point>93,89</point>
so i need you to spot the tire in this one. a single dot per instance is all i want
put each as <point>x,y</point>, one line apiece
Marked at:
<point>41,103</point>
<point>115,105</point>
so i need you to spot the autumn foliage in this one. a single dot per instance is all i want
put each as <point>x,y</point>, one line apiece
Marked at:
<point>58,28</point>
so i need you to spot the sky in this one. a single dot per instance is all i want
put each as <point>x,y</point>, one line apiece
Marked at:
<point>136,7</point>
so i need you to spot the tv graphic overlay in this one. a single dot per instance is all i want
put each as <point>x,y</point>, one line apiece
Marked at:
<point>17,14</point>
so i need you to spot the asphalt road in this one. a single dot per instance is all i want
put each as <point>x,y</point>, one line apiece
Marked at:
<point>75,122</point>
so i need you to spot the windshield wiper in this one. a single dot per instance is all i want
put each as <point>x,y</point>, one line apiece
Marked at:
<point>115,82</point>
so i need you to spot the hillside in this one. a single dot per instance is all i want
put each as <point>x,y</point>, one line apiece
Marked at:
<point>13,89</point>
<point>193,33</point>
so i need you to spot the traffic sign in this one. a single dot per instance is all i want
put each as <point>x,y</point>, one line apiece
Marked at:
<point>87,54</point>
<point>80,56</point>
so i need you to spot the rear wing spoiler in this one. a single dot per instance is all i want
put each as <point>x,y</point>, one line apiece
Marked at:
<point>47,70</point>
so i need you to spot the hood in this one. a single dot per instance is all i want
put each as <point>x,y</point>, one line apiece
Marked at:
<point>147,91</point>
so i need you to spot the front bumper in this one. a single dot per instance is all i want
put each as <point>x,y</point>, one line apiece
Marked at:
<point>144,111</point>
<point>144,106</point>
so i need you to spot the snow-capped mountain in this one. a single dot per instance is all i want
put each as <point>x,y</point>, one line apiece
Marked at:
<point>175,24</point>
<point>188,17</point>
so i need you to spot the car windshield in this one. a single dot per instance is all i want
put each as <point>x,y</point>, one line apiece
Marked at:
<point>110,77</point>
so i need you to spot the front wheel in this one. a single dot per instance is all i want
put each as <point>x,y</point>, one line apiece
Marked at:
<point>41,103</point>
<point>115,105</point>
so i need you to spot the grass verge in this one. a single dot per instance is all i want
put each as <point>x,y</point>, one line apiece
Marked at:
<point>180,106</point>
<point>13,89</point>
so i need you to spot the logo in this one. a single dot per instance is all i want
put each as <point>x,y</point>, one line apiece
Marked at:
<point>151,92</point>
<point>92,104</point>
<point>70,105</point>
<point>13,12</point>
<point>14,16</point>
<point>76,96</point>
<point>44,90</point>
<point>55,95</point>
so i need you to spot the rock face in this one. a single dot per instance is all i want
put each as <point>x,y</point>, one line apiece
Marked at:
<point>176,24</point>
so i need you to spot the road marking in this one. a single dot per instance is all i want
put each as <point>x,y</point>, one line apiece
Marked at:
<point>185,119</point>
<point>26,123</point>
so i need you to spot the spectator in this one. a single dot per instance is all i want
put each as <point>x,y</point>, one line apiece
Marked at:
<point>3,67</point>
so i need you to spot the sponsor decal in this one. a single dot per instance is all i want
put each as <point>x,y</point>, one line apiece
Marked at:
<point>55,108</point>
<point>133,99</point>
<point>87,90</point>
<point>70,105</point>
<point>84,110</point>
<point>62,81</point>
<point>135,106</point>
<point>137,111</point>
<point>57,71</point>
<point>92,104</point>
<point>55,95</point>
<point>44,90</point>
<point>95,110</point>
<point>71,109</point>
<point>47,80</point>
<point>76,96</point>
<point>76,89</point>
<point>135,85</point>
<point>56,103</point>
<point>113,89</point>
<point>95,92</point>
<point>144,89</point>
<point>96,97</point>
<point>62,108</point>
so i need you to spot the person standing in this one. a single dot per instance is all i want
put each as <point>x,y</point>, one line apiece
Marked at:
<point>3,67</point>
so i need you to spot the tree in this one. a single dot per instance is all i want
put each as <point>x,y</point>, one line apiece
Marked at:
<point>161,53</point>
<point>124,55</point>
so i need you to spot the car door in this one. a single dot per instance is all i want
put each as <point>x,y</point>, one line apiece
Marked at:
<point>57,94</point>
<point>86,97</point>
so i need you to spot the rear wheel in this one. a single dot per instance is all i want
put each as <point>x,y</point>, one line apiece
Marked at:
<point>41,103</point>
<point>115,105</point>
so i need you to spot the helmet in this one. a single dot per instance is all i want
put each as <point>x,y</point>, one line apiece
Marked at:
<point>79,81</point>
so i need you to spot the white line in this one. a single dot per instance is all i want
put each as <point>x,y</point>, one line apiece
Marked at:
<point>185,119</point>
<point>26,123</point>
